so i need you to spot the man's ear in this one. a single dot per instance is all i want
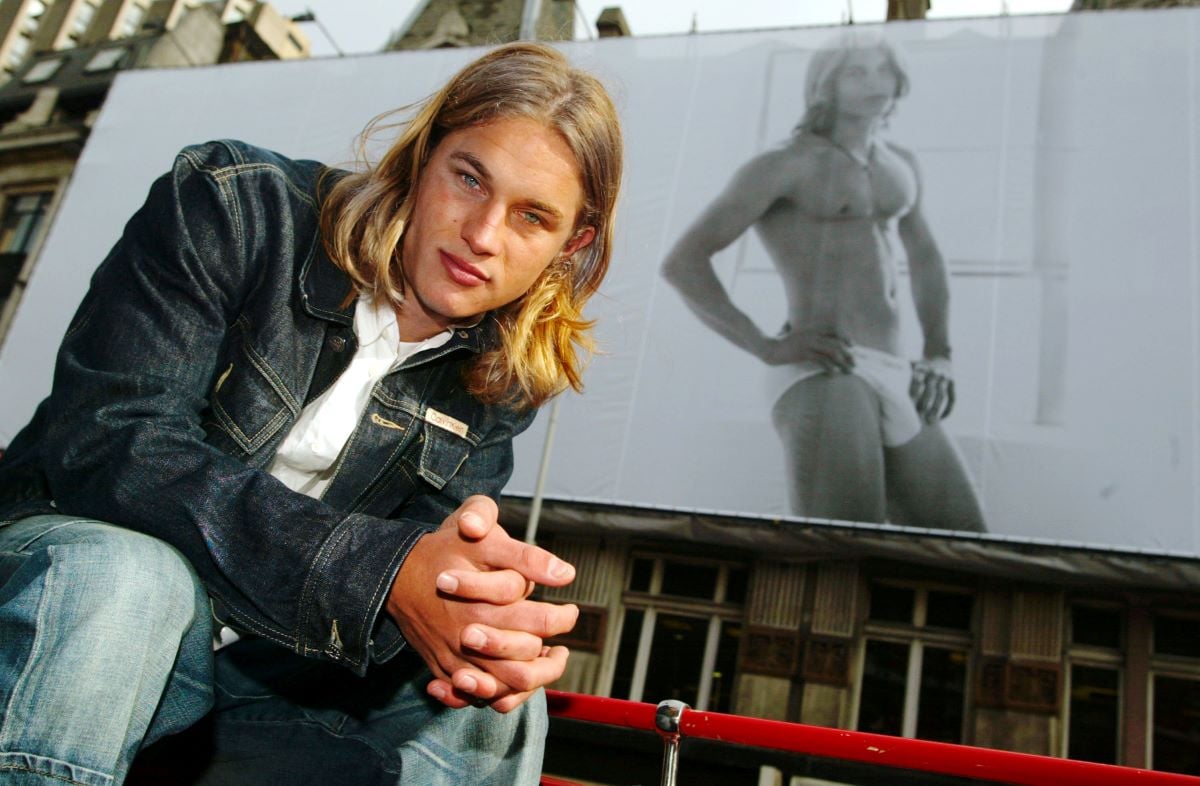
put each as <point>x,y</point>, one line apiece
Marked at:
<point>582,238</point>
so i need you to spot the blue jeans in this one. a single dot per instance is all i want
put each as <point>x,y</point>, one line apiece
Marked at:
<point>105,648</point>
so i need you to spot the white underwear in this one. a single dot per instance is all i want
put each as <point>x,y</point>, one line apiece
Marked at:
<point>887,375</point>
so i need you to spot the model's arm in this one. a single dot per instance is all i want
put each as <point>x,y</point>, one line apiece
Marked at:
<point>933,384</point>
<point>689,266</point>
<point>479,633</point>
<point>124,439</point>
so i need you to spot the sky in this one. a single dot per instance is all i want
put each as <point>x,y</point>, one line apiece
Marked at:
<point>358,26</point>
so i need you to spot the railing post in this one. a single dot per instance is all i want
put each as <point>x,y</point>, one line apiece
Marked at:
<point>666,723</point>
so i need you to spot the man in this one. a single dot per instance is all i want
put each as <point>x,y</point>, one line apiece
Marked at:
<point>282,380</point>
<point>838,207</point>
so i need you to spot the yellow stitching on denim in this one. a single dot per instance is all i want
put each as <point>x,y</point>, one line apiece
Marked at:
<point>381,421</point>
<point>221,379</point>
<point>335,640</point>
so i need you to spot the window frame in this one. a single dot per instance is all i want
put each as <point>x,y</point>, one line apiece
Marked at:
<point>918,635</point>
<point>1179,667</point>
<point>651,602</point>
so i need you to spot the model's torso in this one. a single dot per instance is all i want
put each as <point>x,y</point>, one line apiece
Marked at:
<point>835,241</point>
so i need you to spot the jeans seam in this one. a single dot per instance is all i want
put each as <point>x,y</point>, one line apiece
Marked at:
<point>41,773</point>
<point>34,648</point>
<point>25,546</point>
<point>383,752</point>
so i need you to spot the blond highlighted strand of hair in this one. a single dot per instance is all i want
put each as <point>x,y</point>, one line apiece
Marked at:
<point>544,340</point>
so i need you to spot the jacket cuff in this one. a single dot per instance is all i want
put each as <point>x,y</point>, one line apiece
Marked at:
<point>347,587</point>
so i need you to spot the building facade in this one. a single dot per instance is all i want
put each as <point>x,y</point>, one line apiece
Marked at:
<point>1036,649</point>
<point>446,23</point>
<point>60,57</point>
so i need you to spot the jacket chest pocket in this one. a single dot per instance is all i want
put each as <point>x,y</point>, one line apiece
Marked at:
<point>249,402</point>
<point>441,454</point>
<point>428,457</point>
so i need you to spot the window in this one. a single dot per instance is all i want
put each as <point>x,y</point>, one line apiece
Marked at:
<point>33,17</point>
<point>680,631</point>
<point>105,60</point>
<point>1095,714</point>
<point>23,215</point>
<point>42,71</point>
<point>132,23</point>
<point>1176,635</point>
<point>1176,724</point>
<point>915,659</point>
<point>1094,689</point>
<point>83,18</point>
<point>1175,686</point>
<point>17,51</point>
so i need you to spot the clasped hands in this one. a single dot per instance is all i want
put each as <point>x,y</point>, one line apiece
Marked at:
<point>461,599</point>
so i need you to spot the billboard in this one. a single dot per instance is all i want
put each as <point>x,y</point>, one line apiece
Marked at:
<point>1013,214</point>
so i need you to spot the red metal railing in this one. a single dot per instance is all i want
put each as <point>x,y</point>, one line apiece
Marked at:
<point>963,761</point>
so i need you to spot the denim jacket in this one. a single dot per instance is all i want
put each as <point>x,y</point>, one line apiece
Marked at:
<point>209,325</point>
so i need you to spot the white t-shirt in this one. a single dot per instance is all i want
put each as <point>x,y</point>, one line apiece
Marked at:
<point>305,459</point>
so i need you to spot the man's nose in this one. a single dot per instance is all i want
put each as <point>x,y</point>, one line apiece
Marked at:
<point>482,227</point>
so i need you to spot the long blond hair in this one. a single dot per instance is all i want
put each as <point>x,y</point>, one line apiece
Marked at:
<point>821,104</point>
<point>544,340</point>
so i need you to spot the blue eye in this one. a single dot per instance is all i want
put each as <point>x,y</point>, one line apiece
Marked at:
<point>469,179</point>
<point>530,217</point>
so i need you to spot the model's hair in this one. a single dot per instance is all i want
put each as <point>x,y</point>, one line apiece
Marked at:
<point>544,340</point>
<point>820,97</point>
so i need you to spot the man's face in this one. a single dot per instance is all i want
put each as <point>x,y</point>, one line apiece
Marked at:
<point>495,205</point>
<point>866,83</point>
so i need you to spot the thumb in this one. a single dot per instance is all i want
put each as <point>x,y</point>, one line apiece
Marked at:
<point>475,518</point>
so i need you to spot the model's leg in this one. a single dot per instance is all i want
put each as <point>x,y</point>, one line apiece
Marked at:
<point>830,430</point>
<point>284,719</point>
<point>106,643</point>
<point>928,484</point>
<point>445,747</point>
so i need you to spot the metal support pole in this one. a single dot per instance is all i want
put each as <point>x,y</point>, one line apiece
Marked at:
<point>666,723</point>
<point>529,19</point>
<point>535,510</point>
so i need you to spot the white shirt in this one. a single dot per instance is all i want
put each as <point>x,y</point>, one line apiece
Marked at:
<point>305,459</point>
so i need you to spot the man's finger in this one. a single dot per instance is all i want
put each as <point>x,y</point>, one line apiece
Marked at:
<point>495,586</point>
<point>535,564</point>
<point>507,676</point>
<point>475,517</point>
<point>916,386</point>
<point>511,701</point>
<point>443,691</point>
<point>949,399</point>
<point>544,620</point>
<point>834,358</point>
<point>501,644</point>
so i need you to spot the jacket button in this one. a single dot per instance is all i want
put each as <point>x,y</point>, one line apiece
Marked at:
<point>337,343</point>
<point>462,334</point>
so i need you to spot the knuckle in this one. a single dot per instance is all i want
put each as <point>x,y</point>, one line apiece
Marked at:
<point>548,621</point>
<point>514,586</point>
<point>524,680</point>
<point>530,557</point>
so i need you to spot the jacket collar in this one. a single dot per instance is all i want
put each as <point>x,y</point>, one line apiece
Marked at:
<point>325,289</point>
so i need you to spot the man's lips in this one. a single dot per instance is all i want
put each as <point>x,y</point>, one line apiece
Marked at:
<point>461,271</point>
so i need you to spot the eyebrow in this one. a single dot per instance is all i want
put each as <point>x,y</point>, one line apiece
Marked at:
<point>536,204</point>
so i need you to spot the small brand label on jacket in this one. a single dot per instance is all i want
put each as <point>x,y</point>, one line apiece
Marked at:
<point>442,420</point>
